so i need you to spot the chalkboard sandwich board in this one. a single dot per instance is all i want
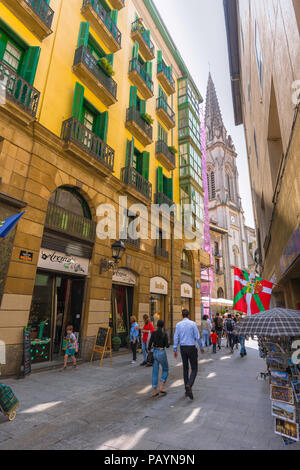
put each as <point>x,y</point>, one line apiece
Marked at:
<point>102,343</point>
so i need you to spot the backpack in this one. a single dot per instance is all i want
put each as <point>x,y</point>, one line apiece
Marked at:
<point>219,322</point>
<point>229,325</point>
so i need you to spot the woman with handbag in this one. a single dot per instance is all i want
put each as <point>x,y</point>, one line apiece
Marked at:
<point>159,341</point>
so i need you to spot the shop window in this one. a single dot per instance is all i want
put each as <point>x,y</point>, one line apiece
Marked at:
<point>275,146</point>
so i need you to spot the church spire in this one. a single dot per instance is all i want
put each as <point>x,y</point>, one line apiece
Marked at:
<point>213,116</point>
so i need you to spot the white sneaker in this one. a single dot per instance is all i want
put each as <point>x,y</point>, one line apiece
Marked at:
<point>133,362</point>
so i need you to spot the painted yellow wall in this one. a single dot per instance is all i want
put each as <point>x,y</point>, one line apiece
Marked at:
<point>56,81</point>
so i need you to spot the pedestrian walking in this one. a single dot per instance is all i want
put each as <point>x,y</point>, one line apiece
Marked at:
<point>148,329</point>
<point>205,331</point>
<point>134,333</point>
<point>242,340</point>
<point>214,340</point>
<point>71,347</point>
<point>187,335</point>
<point>229,327</point>
<point>159,341</point>
<point>219,324</point>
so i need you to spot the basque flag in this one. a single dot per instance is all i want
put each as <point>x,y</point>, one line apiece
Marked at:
<point>8,224</point>
<point>252,294</point>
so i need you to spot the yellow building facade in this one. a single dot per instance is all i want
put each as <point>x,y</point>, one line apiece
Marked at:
<point>75,136</point>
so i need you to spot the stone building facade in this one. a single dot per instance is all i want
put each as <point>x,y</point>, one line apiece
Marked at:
<point>264,56</point>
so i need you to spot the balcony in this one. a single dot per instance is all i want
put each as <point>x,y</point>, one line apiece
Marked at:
<point>81,142</point>
<point>186,266</point>
<point>165,78</point>
<point>102,23</point>
<point>165,113</point>
<point>132,178</point>
<point>141,79</point>
<point>165,156</point>
<point>138,33</point>
<point>132,243</point>
<point>138,127</point>
<point>117,4</point>
<point>218,254</point>
<point>161,252</point>
<point>87,69</point>
<point>61,220</point>
<point>36,15</point>
<point>21,98</point>
<point>161,199</point>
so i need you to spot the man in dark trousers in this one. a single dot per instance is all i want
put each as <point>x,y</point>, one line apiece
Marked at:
<point>187,335</point>
<point>218,321</point>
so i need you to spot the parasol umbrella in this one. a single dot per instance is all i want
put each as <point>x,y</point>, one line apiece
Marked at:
<point>274,322</point>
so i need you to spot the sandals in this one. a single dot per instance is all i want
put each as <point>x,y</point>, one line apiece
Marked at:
<point>163,393</point>
<point>156,395</point>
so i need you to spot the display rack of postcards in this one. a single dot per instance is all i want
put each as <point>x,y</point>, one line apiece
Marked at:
<point>284,377</point>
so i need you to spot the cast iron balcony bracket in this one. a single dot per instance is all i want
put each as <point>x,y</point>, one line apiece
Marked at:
<point>74,131</point>
<point>19,90</point>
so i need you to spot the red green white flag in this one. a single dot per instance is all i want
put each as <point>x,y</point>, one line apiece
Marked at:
<point>252,294</point>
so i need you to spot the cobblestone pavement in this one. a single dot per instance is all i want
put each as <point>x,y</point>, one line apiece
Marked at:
<point>112,408</point>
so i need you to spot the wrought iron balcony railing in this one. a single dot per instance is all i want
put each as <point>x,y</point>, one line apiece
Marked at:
<point>159,251</point>
<point>186,266</point>
<point>105,18</point>
<point>162,104</point>
<point>130,176</point>
<point>161,198</point>
<point>76,132</point>
<point>19,90</point>
<point>42,9</point>
<point>162,67</point>
<point>133,114</point>
<point>135,65</point>
<point>132,242</point>
<point>162,147</point>
<point>138,26</point>
<point>62,220</point>
<point>82,54</point>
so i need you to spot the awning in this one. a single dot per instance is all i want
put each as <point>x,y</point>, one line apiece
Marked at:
<point>218,302</point>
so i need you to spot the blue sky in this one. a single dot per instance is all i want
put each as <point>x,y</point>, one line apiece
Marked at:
<point>198,30</point>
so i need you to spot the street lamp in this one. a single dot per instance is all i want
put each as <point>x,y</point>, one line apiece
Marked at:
<point>118,249</point>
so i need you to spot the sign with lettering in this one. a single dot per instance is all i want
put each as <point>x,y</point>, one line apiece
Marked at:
<point>291,251</point>
<point>56,261</point>
<point>186,291</point>
<point>124,276</point>
<point>26,256</point>
<point>102,343</point>
<point>158,285</point>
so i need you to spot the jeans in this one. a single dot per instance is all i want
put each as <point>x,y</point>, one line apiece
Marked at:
<point>242,343</point>
<point>205,335</point>
<point>214,348</point>
<point>144,349</point>
<point>231,340</point>
<point>133,349</point>
<point>219,333</point>
<point>160,358</point>
<point>189,355</point>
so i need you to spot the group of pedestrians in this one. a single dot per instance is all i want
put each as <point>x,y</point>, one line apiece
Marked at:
<point>187,336</point>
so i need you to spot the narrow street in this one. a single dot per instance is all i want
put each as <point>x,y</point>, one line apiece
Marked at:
<point>111,408</point>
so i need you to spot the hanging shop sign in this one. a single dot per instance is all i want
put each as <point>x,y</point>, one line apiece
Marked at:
<point>291,251</point>
<point>186,291</point>
<point>124,276</point>
<point>56,261</point>
<point>158,285</point>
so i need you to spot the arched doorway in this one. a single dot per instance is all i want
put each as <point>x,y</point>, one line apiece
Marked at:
<point>186,281</point>
<point>63,266</point>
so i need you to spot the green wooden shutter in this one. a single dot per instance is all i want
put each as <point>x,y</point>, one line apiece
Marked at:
<point>83,34</point>
<point>2,45</point>
<point>30,63</point>
<point>149,68</point>
<point>110,59</point>
<point>160,180</point>
<point>159,57</point>
<point>129,152</point>
<point>78,102</point>
<point>101,125</point>
<point>135,50</point>
<point>146,163</point>
<point>133,96</point>
<point>170,188</point>
<point>114,16</point>
<point>143,106</point>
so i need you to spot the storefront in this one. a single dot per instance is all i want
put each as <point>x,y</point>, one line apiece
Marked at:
<point>58,301</point>
<point>186,296</point>
<point>158,300</point>
<point>122,295</point>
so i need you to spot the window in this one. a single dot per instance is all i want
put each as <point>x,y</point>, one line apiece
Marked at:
<point>162,134</point>
<point>220,293</point>
<point>211,185</point>
<point>216,248</point>
<point>275,146</point>
<point>69,199</point>
<point>255,146</point>
<point>10,52</point>
<point>259,56</point>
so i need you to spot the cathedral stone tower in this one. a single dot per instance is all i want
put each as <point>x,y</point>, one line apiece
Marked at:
<point>225,207</point>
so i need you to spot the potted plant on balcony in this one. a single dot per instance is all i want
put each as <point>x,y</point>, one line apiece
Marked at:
<point>106,67</point>
<point>173,149</point>
<point>147,118</point>
<point>116,343</point>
